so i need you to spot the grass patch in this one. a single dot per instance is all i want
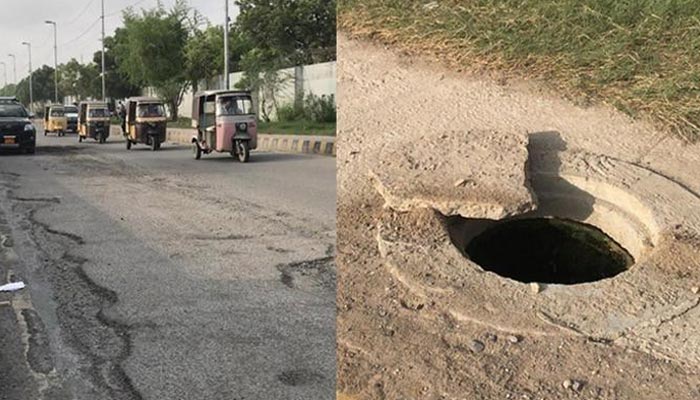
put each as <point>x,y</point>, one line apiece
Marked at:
<point>299,127</point>
<point>181,122</point>
<point>643,57</point>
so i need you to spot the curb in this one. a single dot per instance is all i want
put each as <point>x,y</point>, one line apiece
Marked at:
<point>305,144</point>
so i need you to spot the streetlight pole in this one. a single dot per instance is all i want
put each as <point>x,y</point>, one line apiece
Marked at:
<point>55,61</point>
<point>5,69</point>
<point>14,67</point>
<point>226,77</point>
<point>31,94</point>
<point>104,96</point>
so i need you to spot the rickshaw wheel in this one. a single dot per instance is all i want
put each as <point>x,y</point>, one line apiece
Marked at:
<point>243,151</point>
<point>196,151</point>
<point>154,144</point>
<point>45,132</point>
<point>128,144</point>
<point>80,139</point>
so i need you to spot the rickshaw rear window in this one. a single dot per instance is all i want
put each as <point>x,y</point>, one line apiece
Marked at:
<point>234,105</point>
<point>98,112</point>
<point>150,110</point>
<point>12,110</point>
<point>57,113</point>
<point>71,110</point>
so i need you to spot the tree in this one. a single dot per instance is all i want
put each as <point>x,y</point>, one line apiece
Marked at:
<point>152,52</point>
<point>297,31</point>
<point>117,83</point>
<point>80,80</point>
<point>204,55</point>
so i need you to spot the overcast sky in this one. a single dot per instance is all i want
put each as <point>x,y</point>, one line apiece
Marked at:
<point>79,28</point>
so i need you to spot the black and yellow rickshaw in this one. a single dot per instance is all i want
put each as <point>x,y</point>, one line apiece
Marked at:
<point>55,120</point>
<point>145,122</point>
<point>93,121</point>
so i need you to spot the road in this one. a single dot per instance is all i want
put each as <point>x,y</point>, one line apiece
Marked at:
<point>155,276</point>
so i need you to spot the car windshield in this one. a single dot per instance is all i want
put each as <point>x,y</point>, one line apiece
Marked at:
<point>71,110</point>
<point>12,110</point>
<point>234,105</point>
<point>98,113</point>
<point>150,110</point>
<point>57,113</point>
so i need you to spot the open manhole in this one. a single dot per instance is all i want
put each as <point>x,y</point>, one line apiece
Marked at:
<point>548,250</point>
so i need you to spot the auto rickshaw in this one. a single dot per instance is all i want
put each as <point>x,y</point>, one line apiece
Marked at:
<point>55,120</point>
<point>225,121</point>
<point>145,122</point>
<point>93,121</point>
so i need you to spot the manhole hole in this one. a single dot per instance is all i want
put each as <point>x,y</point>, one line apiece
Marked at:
<point>548,250</point>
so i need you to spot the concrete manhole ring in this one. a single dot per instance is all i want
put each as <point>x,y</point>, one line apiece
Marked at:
<point>654,218</point>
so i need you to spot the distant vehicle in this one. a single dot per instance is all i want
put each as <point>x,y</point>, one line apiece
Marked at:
<point>8,99</point>
<point>16,129</point>
<point>225,122</point>
<point>145,122</point>
<point>71,118</point>
<point>93,121</point>
<point>55,120</point>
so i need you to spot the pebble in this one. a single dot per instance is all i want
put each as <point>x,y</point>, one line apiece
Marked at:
<point>513,339</point>
<point>695,289</point>
<point>460,182</point>
<point>572,384</point>
<point>535,287</point>
<point>476,346</point>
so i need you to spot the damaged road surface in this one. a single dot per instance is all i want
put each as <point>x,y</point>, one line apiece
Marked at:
<point>154,276</point>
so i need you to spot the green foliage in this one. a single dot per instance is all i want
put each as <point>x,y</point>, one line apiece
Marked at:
<point>152,52</point>
<point>314,108</point>
<point>204,54</point>
<point>320,109</point>
<point>641,56</point>
<point>294,31</point>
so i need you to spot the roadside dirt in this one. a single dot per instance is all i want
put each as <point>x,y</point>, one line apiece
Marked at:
<point>416,319</point>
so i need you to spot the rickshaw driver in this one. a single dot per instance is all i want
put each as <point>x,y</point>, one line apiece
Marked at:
<point>229,107</point>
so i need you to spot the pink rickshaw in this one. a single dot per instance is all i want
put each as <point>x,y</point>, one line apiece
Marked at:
<point>225,122</point>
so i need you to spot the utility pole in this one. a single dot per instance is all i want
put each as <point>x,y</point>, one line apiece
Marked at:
<point>14,67</point>
<point>31,93</point>
<point>5,69</point>
<point>226,77</point>
<point>55,61</point>
<point>104,95</point>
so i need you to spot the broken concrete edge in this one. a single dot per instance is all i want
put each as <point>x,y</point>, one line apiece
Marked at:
<point>306,144</point>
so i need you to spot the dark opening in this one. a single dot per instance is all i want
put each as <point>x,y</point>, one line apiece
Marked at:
<point>548,250</point>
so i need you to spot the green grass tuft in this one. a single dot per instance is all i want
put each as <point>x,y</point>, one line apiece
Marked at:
<point>641,56</point>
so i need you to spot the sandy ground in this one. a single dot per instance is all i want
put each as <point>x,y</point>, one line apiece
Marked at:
<point>416,319</point>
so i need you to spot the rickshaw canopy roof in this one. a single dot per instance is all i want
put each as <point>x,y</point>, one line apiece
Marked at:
<point>144,99</point>
<point>208,93</point>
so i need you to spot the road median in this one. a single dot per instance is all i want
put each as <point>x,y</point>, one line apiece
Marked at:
<point>305,144</point>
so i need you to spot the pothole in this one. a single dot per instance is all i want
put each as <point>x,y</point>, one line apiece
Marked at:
<point>548,250</point>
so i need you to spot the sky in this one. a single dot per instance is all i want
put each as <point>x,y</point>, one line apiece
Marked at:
<point>78,27</point>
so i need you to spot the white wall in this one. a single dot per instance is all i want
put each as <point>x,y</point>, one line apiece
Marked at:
<point>318,79</point>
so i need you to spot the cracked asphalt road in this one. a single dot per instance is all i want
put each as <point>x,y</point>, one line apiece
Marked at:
<point>155,276</point>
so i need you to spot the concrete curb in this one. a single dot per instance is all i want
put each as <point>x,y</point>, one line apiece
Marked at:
<point>307,144</point>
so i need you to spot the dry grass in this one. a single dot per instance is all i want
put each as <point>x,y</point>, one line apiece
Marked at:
<point>641,56</point>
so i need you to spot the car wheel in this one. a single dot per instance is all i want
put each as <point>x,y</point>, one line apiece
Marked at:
<point>30,150</point>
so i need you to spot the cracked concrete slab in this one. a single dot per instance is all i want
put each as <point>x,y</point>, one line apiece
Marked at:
<point>477,173</point>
